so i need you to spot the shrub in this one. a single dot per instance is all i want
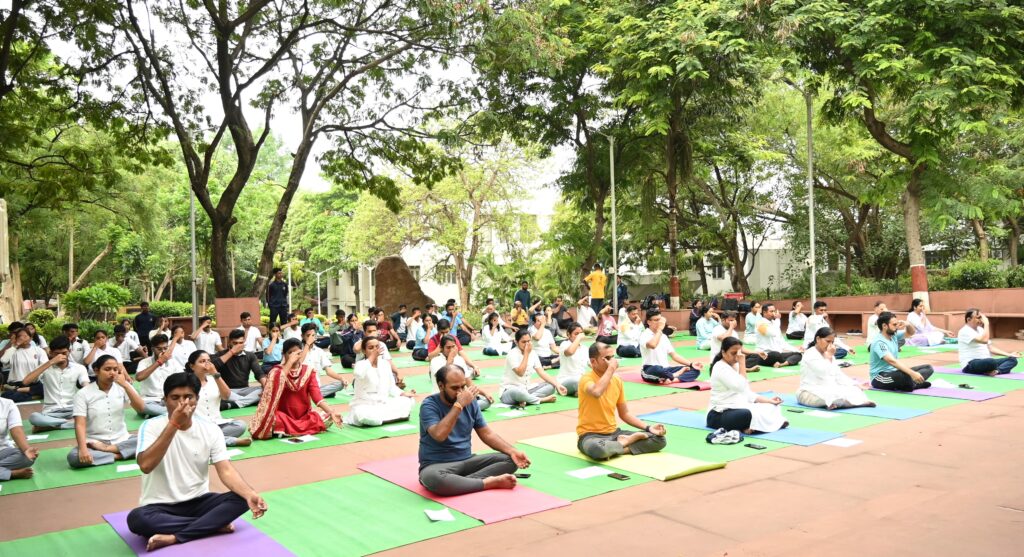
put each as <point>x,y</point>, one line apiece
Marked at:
<point>3,331</point>
<point>973,274</point>
<point>97,300</point>
<point>1015,277</point>
<point>170,309</point>
<point>40,317</point>
<point>87,328</point>
<point>52,329</point>
<point>122,316</point>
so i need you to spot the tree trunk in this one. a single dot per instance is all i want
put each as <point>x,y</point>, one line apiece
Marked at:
<point>219,257</point>
<point>163,284</point>
<point>849,267</point>
<point>982,237</point>
<point>460,279</point>
<point>10,290</point>
<point>95,261</point>
<point>678,151</point>
<point>1014,240</point>
<point>703,272</point>
<point>912,227</point>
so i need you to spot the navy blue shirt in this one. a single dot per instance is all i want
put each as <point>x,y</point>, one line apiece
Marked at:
<point>459,445</point>
<point>277,293</point>
<point>523,296</point>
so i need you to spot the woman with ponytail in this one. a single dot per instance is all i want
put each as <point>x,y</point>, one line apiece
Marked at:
<point>733,405</point>
<point>822,384</point>
<point>212,391</point>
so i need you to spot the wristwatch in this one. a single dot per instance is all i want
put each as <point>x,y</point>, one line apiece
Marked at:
<point>215,375</point>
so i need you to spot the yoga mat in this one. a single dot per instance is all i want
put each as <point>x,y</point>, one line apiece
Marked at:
<point>660,466</point>
<point>634,377</point>
<point>958,371</point>
<point>493,505</point>
<point>881,411</point>
<point>696,420</point>
<point>692,443</point>
<point>245,540</point>
<point>549,473</point>
<point>930,403</point>
<point>962,394</point>
<point>98,539</point>
<point>981,382</point>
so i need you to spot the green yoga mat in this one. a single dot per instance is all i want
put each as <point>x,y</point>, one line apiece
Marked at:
<point>982,383</point>
<point>354,515</point>
<point>687,441</point>
<point>100,539</point>
<point>548,473</point>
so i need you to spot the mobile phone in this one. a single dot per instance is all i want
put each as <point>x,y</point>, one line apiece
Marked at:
<point>965,386</point>
<point>522,476</point>
<point>795,410</point>
<point>295,440</point>
<point>618,476</point>
<point>755,446</point>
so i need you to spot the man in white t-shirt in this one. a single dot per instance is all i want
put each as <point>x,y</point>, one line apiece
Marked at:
<point>585,315</point>
<point>128,346</point>
<point>975,345</point>
<point>153,371</point>
<point>770,340</point>
<point>61,378</point>
<point>318,359</point>
<point>175,453</point>
<point>543,343</point>
<point>630,329</point>
<point>253,338</point>
<point>656,350</point>
<point>819,320</point>
<point>727,328</point>
<point>573,359</point>
<point>181,347</point>
<point>205,338</point>
<point>21,360</point>
<point>450,356</point>
<point>16,456</point>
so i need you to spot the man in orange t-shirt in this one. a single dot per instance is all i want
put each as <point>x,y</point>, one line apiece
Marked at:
<point>601,395</point>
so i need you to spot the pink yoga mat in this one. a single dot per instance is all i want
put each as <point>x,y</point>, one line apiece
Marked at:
<point>246,540</point>
<point>493,505</point>
<point>634,377</point>
<point>962,394</point>
<point>958,371</point>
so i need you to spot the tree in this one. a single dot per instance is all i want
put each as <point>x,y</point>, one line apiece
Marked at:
<point>916,74</point>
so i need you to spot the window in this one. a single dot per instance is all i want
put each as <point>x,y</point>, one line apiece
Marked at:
<point>415,269</point>
<point>444,274</point>
<point>718,271</point>
<point>353,276</point>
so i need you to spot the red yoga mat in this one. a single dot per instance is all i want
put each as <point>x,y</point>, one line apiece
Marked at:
<point>493,505</point>
<point>634,377</point>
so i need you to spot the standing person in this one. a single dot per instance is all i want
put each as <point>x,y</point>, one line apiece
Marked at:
<point>277,298</point>
<point>630,330</point>
<point>820,321</point>
<point>152,373</point>
<point>447,422</point>
<point>212,390</point>
<point>597,281</point>
<point>921,331</point>
<point>61,378</point>
<point>205,338</point>
<point>770,341</point>
<point>100,432</point>
<point>602,396</point>
<point>16,456</point>
<point>733,405</point>
<point>573,358</point>
<point>520,364</point>
<point>286,407</point>
<point>523,296</point>
<point>797,322</point>
<point>822,384</point>
<point>705,326</point>
<point>253,338</point>
<point>656,350</point>
<point>377,399</point>
<point>887,372</point>
<point>751,321</point>
<point>726,329</point>
<point>974,343</point>
<point>621,291</point>
<point>144,323</point>
<point>235,364</point>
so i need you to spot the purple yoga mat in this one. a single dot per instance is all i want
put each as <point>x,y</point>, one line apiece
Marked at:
<point>962,394</point>
<point>942,369</point>
<point>246,540</point>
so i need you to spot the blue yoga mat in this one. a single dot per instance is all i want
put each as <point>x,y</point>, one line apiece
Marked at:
<point>888,412</point>
<point>696,420</point>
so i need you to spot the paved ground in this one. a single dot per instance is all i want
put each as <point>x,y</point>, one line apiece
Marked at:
<point>946,483</point>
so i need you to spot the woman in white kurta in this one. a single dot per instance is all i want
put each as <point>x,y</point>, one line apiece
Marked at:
<point>377,399</point>
<point>733,405</point>
<point>925,334</point>
<point>822,384</point>
<point>496,340</point>
<point>574,359</point>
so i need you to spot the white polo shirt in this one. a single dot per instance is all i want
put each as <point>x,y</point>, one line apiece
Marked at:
<point>23,361</point>
<point>657,356</point>
<point>183,473</point>
<point>9,418</point>
<point>152,387</point>
<point>207,341</point>
<point>574,366</point>
<point>252,337</point>
<point>60,385</point>
<point>103,412</point>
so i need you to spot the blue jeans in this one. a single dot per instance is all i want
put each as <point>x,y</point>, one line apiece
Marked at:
<point>841,353</point>
<point>596,304</point>
<point>986,365</point>
<point>656,374</point>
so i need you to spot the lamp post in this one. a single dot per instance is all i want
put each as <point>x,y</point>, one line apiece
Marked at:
<point>615,246</point>
<point>192,233</point>
<point>319,308</point>
<point>809,99</point>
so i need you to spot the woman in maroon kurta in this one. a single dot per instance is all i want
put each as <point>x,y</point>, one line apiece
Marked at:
<point>285,408</point>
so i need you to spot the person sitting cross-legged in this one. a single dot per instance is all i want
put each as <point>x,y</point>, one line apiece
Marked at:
<point>656,350</point>
<point>602,395</point>
<point>733,405</point>
<point>887,372</point>
<point>175,454</point>
<point>447,422</point>
<point>289,396</point>
<point>153,371</point>
<point>100,432</point>
<point>61,378</point>
<point>772,342</point>
<point>520,364</point>
<point>975,346</point>
<point>709,319</point>
<point>16,456</point>
<point>822,384</point>
<point>213,389</point>
<point>377,399</point>
<point>450,356</point>
<point>573,358</point>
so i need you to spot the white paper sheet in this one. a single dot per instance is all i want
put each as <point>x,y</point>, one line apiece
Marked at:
<point>235,452</point>
<point>37,437</point>
<point>589,472</point>
<point>513,414</point>
<point>443,515</point>
<point>127,467</point>
<point>843,442</point>
<point>942,384</point>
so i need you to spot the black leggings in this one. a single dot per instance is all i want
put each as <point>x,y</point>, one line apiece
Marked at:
<point>627,351</point>
<point>348,360</point>
<point>734,418</point>
<point>419,354</point>
<point>784,358</point>
<point>610,340</point>
<point>896,380</point>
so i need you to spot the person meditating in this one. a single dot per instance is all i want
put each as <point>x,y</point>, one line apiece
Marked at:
<point>920,329</point>
<point>61,378</point>
<point>630,330</point>
<point>733,405</point>
<point>520,364</point>
<point>16,456</point>
<point>975,347</point>
<point>450,356</point>
<point>770,341</point>
<point>573,358</point>
<point>496,340</point>
<point>887,372</point>
<point>212,390</point>
<point>447,421</point>
<point>656,350</point>
<point>100,432</point>
<point>175,454</point>
<point>602,395</point>
<point>377,399</point>
<point>284,408</point>
<point>822,384</point>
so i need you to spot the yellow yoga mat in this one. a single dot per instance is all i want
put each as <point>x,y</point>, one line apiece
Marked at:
<point>660,466</point>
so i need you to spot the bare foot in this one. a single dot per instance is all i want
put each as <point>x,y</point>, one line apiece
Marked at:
<point>627,440</point>
<point>21,474</point>
<point>156,541</point>
<point>753,369</point>
<point>992,373</point>
<point>243,442</point>
<point>778,364</point>
<point>869,404</point>
<point>831,407</point>
<point>229,529</point>
<point>103,447</point>
<point>549,398</point>
<point>504,481</point>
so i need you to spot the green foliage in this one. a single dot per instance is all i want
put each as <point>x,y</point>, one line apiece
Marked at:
<point>88,327</point>
<point>170,309</point>
<point>974,274</point>
<point>52,329</point>
<point>1015,277</point>
<point>102,298</point>
<point>3,330</point>
<point>40,317</point>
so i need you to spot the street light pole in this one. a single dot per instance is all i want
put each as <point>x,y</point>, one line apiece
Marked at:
<point>290,286</point>
<point>319,307</point>
<point>192,232</point>
<point>810,187</point>
<point>615,247</point>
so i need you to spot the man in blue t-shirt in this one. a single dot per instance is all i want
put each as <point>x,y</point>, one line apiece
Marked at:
<point>887,372</point>
<point>447,421</point>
